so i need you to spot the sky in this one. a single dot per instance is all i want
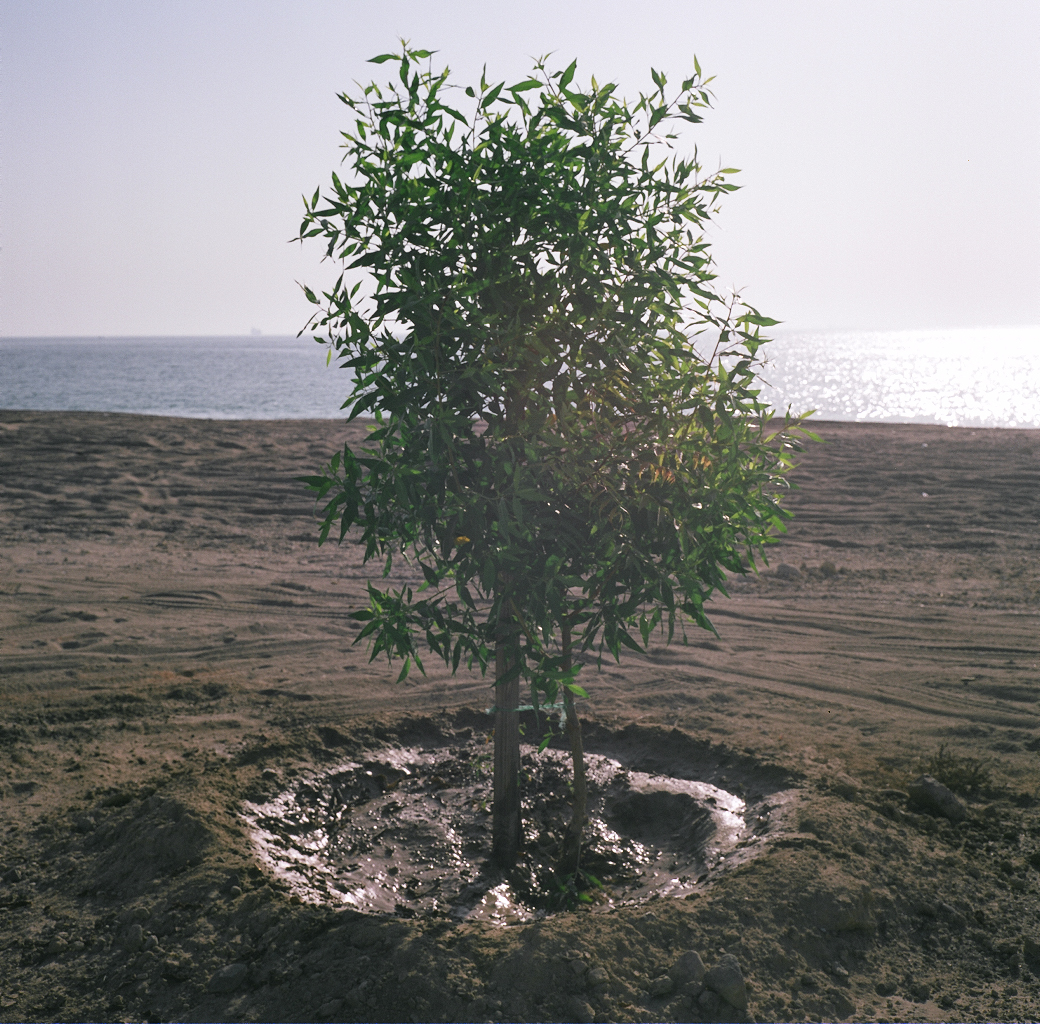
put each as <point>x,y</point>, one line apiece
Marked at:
<point>153,155</point>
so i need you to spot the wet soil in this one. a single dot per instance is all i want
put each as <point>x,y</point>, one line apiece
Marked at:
<point>177,653</point>
<point>405,832</point>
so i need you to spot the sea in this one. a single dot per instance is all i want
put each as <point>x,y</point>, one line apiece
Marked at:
<point>966,377</point>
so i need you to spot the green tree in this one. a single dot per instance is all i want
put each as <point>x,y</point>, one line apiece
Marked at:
<point>568,441</point>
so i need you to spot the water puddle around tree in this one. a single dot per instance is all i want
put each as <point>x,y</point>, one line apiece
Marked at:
<point>408,832</point>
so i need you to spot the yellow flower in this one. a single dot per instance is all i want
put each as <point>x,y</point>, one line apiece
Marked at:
<point>462,540</point>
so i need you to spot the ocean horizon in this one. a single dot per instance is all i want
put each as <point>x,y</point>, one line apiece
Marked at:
<point>977,377</point>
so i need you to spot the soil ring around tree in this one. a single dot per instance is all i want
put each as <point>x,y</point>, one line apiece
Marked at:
<point>404,829</point>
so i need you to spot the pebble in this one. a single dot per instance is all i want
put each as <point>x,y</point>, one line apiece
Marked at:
<point>727,979</point>
<point>688,969</point>
<point>228,978</point>
<point>933,795</point>
<point>661,986</point>
<point>59,944</point>
<point>845,785</point>
<point>581,1011</point>
<point>919,990</point>
<point>133,940</point>
<point>177,968</point>
<point>787,572</point>
<point>598,976</point>
<point>954,915</point>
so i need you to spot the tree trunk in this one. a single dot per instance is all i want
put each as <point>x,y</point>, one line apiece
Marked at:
<point>570,858</point>
<point>505,825</point>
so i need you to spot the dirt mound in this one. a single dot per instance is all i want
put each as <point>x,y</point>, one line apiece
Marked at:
<point>153,838</point>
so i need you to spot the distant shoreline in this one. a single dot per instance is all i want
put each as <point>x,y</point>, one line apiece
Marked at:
<point>812,423</point>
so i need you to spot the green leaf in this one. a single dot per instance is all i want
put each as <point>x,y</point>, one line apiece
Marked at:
<point>492,96</point>
<point>383,58</point>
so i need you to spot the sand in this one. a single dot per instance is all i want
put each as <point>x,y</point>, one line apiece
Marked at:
<point>175,645</point>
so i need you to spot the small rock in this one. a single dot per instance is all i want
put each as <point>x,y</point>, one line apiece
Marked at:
<point>932,795</point>
<point>177,968</point>
<point>919,991</point>
<point>787,572</point>
<point>12,875</point>
<point>845,786</point>
<point>579,967</point>
<point>885,988</point>
<point>1031,949</point>
<point>860,848</point>
<point>133,940</point>
<point>844,1006</point>
<point>687,970</point>
<point>59,944</point>
<point>727,979</point>
<point>598,976</point>
<point>661,986</point>
<point>581,1011</point>
<point>228,978</point>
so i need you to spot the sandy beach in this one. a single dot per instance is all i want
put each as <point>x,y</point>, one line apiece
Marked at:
<point>174,646</point>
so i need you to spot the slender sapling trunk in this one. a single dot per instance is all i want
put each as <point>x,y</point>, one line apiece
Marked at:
<point>570,858</point>
<point>505,825</point>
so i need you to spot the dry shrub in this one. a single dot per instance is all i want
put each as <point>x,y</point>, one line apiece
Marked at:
<point>966,775</point>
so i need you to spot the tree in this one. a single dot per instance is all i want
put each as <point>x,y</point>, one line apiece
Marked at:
<point>568,438</point>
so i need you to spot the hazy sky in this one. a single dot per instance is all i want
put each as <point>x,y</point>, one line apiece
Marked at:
<point>153,154</point>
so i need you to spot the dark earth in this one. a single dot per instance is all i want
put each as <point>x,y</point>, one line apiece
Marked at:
<point>177,654</point>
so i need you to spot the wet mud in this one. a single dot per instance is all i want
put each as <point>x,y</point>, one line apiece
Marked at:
<point>406,831</point>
